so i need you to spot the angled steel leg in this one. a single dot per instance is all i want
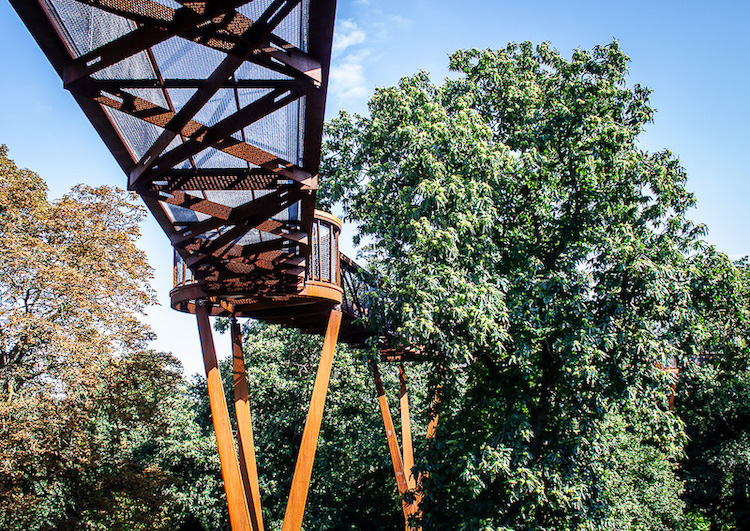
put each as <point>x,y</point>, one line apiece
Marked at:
<point>408,448</point>
<point>239,517</point>
<point>295,508</point>
<point>248,466</point>
<point>390,433</point>
<point>396,458</point>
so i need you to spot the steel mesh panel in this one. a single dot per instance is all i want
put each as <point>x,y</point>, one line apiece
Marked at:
<point>182,59</point>
<point>325,251</point>
<point>85,28</point>
<point>301,130</point>
<point>220,106</point>
<point>254,71</point>
<point>248,96</point>
<point>213,158</point>
<point>253,10</point>
<point>137,134</point>
<point>289,214</point>
<point>315,262</point>
<point>135,67</point>
<point>293,29</point>
<point>178,214</point>
<point>256,236</point>
<point>280,132</point>
<point>232,198</point>
<point>169,3</point>
<point>180,96</point>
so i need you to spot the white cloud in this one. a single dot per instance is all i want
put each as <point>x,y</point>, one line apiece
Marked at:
<point>347,34</point>
<point>348,81</point>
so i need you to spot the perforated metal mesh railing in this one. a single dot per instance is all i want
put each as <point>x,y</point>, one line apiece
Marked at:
<point>215,111</point>
<point>355,301</point>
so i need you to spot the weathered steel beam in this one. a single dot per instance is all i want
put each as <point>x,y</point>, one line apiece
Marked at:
<point>239,516</point>
<point>406,439</point>
<point>390,432</point>
<point>248,467</point>
<point>295,508</point>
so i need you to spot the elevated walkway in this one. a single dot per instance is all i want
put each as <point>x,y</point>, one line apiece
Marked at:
<point>214,110</point>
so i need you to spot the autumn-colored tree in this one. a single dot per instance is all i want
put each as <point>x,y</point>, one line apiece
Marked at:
<point>80,393</point>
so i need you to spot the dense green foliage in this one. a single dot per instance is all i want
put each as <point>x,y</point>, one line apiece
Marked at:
<point>520,236</point>
<point>713,395</point>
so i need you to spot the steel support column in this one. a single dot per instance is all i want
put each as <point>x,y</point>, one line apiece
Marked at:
<point>295,508</point>
<point>390,434</point>
<point>248,467</point>
<point>406,439</point>
<point>239,517</point>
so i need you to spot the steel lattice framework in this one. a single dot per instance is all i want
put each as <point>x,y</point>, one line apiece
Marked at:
<point>214,110</point>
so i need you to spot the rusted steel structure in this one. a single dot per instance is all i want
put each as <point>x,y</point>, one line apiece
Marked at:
<point>214,110</point>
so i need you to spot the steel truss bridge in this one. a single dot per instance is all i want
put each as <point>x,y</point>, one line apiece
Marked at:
<point>214,110</point>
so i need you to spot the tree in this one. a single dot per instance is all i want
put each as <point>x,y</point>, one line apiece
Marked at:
<point>713,394</point>
<point>82,398</point>
<point>521,238</point>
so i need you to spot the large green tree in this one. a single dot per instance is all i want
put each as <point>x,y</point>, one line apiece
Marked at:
<point>519,235</point>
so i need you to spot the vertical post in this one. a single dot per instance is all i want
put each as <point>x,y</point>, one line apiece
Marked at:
<point>406,440</point>
<point>295,508</point>
<point>431,427</point>
<point>390,434</point>
<point>248,467</point>
<point>239,518</point>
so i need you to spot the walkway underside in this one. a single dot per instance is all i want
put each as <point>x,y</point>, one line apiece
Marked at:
<point>214,110</point>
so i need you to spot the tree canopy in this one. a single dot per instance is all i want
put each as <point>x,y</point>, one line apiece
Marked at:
<point>520,236</point>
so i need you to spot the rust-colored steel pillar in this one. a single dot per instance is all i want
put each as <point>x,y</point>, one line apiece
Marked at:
<point>248,467</point>
<point>406,439</point>
<point>390,433</point>
<point>239,517</point>
<point>295,508</point>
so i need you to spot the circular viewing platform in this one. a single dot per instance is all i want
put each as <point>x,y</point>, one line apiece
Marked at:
<point>292,288</point>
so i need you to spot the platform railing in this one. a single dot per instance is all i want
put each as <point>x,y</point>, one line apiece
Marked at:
<point>355,300</point>
<point>323,264</point>
<point>182,275</point>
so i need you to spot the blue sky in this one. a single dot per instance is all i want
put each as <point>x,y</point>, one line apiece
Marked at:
<point>693,55</point>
